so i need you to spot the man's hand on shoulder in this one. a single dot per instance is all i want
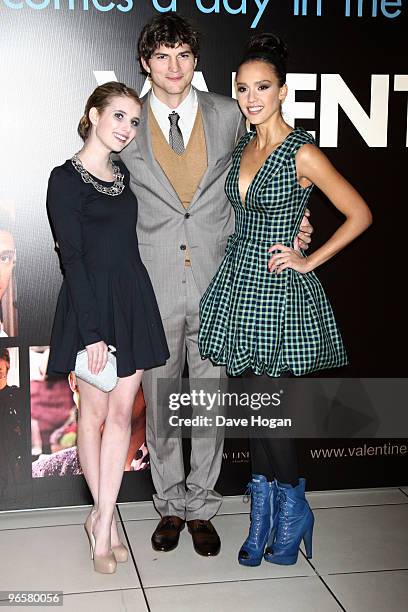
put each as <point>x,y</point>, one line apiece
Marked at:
<point>304,237</point>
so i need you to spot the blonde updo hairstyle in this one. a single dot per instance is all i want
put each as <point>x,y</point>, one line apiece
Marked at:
<point>100,98</point>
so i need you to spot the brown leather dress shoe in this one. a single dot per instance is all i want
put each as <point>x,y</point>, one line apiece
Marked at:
<point>166,535</point>
<point>206,540</point>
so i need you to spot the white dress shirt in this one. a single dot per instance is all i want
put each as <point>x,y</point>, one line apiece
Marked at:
<point>187,111</point>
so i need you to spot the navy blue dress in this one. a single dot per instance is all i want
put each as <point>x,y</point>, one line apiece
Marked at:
<point>106,293</point>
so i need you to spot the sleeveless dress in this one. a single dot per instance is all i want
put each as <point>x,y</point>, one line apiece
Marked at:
<point>106,293</point>
<point>250,317</point>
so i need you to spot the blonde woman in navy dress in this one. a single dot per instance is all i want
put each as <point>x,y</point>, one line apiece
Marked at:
<point>106,298</point>
<point>265,313</point>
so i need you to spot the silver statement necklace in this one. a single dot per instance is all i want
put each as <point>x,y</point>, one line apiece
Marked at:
<point>114,190</point>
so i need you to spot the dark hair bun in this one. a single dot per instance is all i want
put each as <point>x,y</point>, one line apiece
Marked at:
<point>267,43</point>
<point>268,48</point>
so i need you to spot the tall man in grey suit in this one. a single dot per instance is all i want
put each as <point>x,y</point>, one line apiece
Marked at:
<point>178,164</point>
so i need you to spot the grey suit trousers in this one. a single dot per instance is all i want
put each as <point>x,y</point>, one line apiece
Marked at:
<point>191,497</point>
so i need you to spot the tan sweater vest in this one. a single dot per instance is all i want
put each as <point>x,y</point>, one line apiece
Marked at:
<point>183,171</point>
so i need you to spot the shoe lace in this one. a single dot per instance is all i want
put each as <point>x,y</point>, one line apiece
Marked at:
<point>282,531</point>
<point>247,494</point>
<point>256,515</point>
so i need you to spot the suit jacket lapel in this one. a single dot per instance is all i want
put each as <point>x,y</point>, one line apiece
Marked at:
<point>210,124</point>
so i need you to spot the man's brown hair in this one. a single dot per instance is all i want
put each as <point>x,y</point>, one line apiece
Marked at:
<point>170,31</point>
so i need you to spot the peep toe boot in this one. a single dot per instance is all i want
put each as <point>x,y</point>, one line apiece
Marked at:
<point>263,506</point>
<point>294,522</point>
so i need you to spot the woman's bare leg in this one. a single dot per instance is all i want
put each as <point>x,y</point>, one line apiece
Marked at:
<point>114,449</point>
<point>93,410</point>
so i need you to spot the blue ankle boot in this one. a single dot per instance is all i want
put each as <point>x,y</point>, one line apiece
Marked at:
<point>263,501</point>
<point>294,522</point>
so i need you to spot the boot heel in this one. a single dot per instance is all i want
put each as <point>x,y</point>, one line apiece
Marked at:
<point>307,539</point>
<point>294,523</point>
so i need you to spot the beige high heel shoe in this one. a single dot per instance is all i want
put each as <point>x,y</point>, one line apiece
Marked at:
<point>104,564</point>
<point>121,553</point>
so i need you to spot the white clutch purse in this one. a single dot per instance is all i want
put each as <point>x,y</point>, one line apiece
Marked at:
<point>106,380</point>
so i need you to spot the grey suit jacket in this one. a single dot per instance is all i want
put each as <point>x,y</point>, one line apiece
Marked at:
<point>163,226</point>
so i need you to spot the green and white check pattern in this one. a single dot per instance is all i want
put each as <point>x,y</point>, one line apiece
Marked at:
<point>250,318</point>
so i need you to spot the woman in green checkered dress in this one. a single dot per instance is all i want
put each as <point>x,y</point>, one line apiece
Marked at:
<point>250,317</point>
<point>265,312</point>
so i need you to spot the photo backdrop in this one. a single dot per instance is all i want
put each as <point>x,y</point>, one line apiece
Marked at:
<point>348,82</point>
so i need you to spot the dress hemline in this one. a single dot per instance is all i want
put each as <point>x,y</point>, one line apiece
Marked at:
<point>264,370</point>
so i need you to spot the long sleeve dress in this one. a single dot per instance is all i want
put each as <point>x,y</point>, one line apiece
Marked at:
<point>106,293</point>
